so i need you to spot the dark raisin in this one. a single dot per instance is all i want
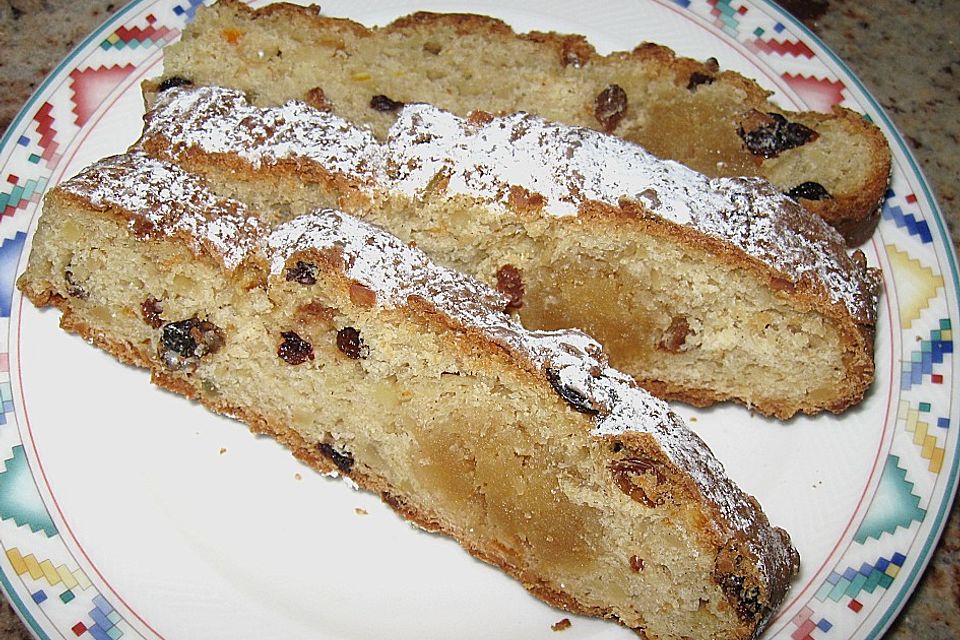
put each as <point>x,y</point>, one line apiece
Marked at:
<point>510,284</point>
<point>747,598</point>
<point>150,310</point>
<point>381,102</point>
<point>574,398</point>
<point>173,81</point>
<point>697,79</point>
<point>351,344</point>
<point>637,564</point>
<point>610,106</point>
<point>809,191</point>
<point>302,272</point>
<point>712,64</point>
<point>183,343</point>
<point>294,349</point>
<point>775,135</point>
<point>343,460</point>
<point>73,287</point>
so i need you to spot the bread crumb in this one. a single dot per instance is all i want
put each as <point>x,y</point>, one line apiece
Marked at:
<point>223,450</point>
<point>693,418</point>
<point>563,625</point>
<point>297,476</point>
<point>360,511</point>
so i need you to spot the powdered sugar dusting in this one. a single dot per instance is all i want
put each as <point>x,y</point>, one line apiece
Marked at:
<point>572,361</point>
<point>485,157</point>
<point>178,204</point>
<point>569,166</point>
<point>221,121</point>
<point>165,200</point>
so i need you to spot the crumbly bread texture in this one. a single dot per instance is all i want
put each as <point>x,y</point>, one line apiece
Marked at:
<point>717,122</point>
<point>703,289</point>
<point>369,360</point>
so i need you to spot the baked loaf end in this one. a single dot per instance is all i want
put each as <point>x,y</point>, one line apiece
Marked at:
<point>703,289</point>
<point>367,359</point>
<point>717,122</point>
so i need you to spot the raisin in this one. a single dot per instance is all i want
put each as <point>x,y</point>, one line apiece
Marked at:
<point>73,287</point>
<point>351,344</point>
<point>302,272</point>
<point>697,79</point>
<point>150,310</point>
<point>173,81</point>
<point>637,564</point>
<point>775,135</point>
<point>317,99</point>
<point>510,284</point>
<point>640,479</point>
<point>747,598</point>
<point>343,460</point>
<point>809,191</point>
<point>574,398</point>
<point>610,106</point>
<point>294,349</point>
<point>675,336</point>
<point>382,103</point>
<point>183,343</point>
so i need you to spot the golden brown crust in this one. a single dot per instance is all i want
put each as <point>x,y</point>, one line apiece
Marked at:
<point>630,219</point>
<point>305,452</point>
<point>853,211</point>
<point>684,491</point>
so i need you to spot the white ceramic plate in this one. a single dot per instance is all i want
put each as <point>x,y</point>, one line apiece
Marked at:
<point>126,512</point>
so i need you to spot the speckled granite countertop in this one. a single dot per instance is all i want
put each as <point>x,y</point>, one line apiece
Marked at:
<point>905,51</point>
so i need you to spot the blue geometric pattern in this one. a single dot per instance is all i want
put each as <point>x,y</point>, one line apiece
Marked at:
<point>931,352</point>
<point>914,227</point>
<point>867,578</point>
<point>10,252</point>
<point>105,620</point>
<point>191,8</point>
